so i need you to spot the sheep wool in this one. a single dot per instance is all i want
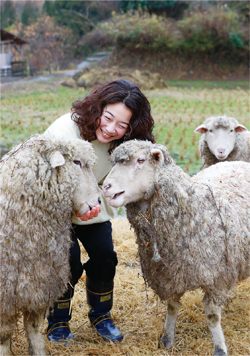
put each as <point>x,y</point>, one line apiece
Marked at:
<point>191,232</point>
<point>40,182</point>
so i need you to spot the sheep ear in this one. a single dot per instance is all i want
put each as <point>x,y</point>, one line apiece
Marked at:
<point>201,129</point>
<point>240,128</point>
<point>157,156</point>
<point>56,159</point>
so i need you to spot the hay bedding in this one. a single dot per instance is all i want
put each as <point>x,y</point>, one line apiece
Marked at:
<point>140,315</point>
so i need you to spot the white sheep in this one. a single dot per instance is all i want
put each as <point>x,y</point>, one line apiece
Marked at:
<point>42,181</point>
<point>191,232</point>
<point>223,139</point>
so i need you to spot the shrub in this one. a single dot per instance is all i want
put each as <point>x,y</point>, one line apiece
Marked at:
<point>216,30</point>
<point>95,41</point>
<point>140,30</point>
<point>212,30</point>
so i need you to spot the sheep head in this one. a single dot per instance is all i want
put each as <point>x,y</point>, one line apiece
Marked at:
<point>136,167</point>
<point>78,165</point>
<point>220,135</point>
<point>51,170</point>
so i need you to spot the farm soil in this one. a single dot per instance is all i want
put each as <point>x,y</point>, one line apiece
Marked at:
<point>177,67</point>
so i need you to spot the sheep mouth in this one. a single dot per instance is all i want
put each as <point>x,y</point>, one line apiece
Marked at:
<point>117,195</point>
<point>221,157</point>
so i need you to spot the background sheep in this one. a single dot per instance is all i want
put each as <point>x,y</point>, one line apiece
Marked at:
<point>42,181</point>
<point>191,233</point>
<point>223,139</point>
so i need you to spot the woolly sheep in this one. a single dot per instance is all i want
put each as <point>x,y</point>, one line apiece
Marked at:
<point>223,139</point>
<point>191,232</point>
<point>43,180</point>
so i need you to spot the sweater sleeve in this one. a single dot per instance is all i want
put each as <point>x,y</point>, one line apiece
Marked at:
<point>64,127</point>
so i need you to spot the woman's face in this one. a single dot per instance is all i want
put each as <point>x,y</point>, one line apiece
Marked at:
<point>114,122</point>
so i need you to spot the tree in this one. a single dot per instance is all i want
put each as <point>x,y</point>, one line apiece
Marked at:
<point>29,13</point>
<point>8,14</point>
<point>171,8</point>
<point>47,42</point>
<point>80,16</point>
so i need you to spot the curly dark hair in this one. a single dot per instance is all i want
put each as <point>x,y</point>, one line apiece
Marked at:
<point>87,113</point>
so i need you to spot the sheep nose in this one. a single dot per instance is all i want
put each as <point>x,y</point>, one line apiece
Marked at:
<point>107,186</point>
<point>221,150</point>
<point>99,201</point>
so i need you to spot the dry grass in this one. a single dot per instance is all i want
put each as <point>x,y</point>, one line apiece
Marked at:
<point>140,315</point>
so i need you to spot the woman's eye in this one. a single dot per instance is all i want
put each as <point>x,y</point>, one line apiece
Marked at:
<point>107,118</point>
<point>78,163</point>
<point>141,160</point>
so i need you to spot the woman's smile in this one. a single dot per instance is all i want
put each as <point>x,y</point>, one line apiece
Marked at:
<point>105,134</point>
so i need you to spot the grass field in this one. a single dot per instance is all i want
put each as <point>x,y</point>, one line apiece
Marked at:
<point>30,108</point>
<point>177,111</point>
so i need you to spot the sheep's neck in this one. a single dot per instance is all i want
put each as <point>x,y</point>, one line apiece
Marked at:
<point>143,205</point>
<point>162,215</point>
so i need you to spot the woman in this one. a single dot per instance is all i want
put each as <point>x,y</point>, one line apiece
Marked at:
<point>112,113</point>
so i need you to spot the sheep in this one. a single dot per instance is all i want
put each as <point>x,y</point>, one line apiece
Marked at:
<point>191,232</point>
<point>42,180</point>
<point>223,139</point>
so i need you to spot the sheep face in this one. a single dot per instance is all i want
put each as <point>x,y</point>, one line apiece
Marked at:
<point>132,179</point>
<point>86,192</point>
<point>220,135</point>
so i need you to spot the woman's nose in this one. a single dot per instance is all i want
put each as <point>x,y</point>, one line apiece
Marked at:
<point>111,127</point>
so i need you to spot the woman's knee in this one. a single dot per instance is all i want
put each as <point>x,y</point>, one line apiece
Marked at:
<point>102,268</point>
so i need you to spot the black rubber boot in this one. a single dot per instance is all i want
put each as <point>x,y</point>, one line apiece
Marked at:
<point>58,329</point>
<point>100,299</point>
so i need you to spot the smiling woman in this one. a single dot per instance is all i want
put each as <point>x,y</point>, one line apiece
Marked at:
<point>112,113</point>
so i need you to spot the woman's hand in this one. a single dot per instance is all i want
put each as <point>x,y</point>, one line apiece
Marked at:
<point>93,213</point>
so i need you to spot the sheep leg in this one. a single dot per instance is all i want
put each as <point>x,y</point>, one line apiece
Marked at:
<point>6,329</point>
<point>169,325</point>
<point>213,316</point>
<point>36,342</point>
<point>5,347</point>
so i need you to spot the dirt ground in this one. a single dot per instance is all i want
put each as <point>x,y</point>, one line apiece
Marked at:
<point>176,67</point>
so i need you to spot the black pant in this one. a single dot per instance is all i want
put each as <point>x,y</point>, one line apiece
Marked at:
<point>97,241</point>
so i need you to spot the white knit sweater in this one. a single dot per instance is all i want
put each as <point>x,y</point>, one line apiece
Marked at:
<point>67,128</point>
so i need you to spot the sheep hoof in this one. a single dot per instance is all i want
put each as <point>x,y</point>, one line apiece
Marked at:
<point>219,352</point>
<point>166,342</point>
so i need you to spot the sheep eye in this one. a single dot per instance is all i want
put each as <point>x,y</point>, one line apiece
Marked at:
<point>210,130</point>
<point>78,163</point>
<point>140,160</point>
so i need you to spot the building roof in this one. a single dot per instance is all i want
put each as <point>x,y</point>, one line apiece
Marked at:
<point>9,37</point>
